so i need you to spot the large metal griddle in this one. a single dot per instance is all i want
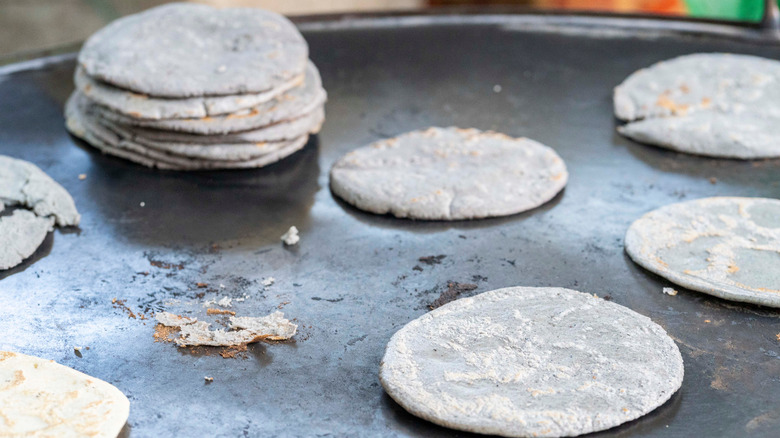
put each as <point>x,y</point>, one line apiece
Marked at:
<point>352,282</point>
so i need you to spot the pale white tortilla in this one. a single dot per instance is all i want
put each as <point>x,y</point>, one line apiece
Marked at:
<point>24,184</point>
<point>21,233</point>
<point>111,143</point>
<point>724,246</point>
<point>522,362</point>
<point>293,104</point>
<point>449,174</point>
<point>40,397</point>
<point>184,49</point>
<point>148,107</point>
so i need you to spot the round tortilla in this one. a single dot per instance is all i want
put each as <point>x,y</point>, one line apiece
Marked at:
<point>449,174</point>
<point>711,104</point>
<point>723,246</point>
<point>293,104</point>
<point>284,130</point>
<point>43,398</point>
<point>21,233</point>
<point>24,184</point>
<point>522,362</point>
<point>185,50</point>
<point>147,107</point>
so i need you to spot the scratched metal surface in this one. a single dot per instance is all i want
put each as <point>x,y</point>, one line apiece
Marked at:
<point>352,280</point>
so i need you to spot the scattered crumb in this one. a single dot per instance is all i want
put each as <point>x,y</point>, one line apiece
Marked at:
<point>707,321</point>
<point>220,312</point>
<point>201,285</point>
<point>713,180</point>
<point>291,236</point>
<point>225,302</point>
<point>452,292</point>
<point>232,352</point>
<point>778,336</point>
<point>268,281</point>
<point>282,304</point>
<point>76,348</point>
<point>142,204</point>
<point>669,291</point>
<point>221,286</point>
<point>82,176</point>
<point>120,304</point>
<point>208,379</point>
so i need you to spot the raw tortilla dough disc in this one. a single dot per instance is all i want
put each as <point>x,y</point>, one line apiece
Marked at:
<point>184,50</point>
<point>449,174</point>
<point>531,362</point>
<point>40,397</point>
<point>711,104</point>
<point>726,247</point>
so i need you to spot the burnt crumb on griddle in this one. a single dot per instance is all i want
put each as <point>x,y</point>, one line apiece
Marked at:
<point>417,268</point>
<point>201,285</point>
<point>451,294</point>
<point>432,260</point>
<point>165,265</point>
<point>607,297</point>
<point>478,277</point>
<point>713,180</point>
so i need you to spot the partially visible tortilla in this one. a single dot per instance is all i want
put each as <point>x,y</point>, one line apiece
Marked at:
<point>309,123</point>
<point>40,397</point>
<point>117,136</point>
<point>728,247</point>
<point>183,50</point>
<point>110,143</point>
<point>21,233</point>
<point>711,104</point>
<point>293,104</point>
<point>149,107</point>
<point>713,134</point>
<point>24,184</point>
<point>449,174</point>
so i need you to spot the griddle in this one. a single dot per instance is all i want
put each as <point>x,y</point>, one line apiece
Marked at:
<point>356,278</point>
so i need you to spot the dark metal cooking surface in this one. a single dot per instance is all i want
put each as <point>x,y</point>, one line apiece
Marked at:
<point>352,280</point>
